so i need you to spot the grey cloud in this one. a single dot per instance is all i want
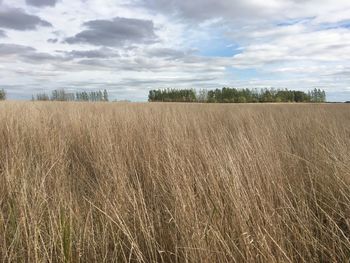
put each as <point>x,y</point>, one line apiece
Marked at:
<point>252,11</point>
<point>41,3</point>
<point>146,64</point>
<point>38,57</point>
<point>166,53</point>
<point>52,40</point>
<point>96,53</point>
<point>13,49</point>
<point>2,33</point>
<point>136,65</point>
<point>28,54</point>
<point>204,9</point>
<point>116,32</point>
<point>343,72</point>
<point>36,73</point>
<point>98,63</point>
<point>14,18</point>
<point>162,81</point>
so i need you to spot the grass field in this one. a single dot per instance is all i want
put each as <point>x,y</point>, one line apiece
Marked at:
<point>110,182</point>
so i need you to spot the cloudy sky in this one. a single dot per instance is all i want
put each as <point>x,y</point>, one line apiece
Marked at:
<point>132,46</point>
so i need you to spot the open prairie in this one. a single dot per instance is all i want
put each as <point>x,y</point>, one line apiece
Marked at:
<point>114,182</point>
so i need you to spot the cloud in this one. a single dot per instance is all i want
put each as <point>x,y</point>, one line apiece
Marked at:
<point>96,53</point>
<point>2,33</point>
<point>249,11</point>
<point>209,9</point>
<point>41,3</point>
<point>13,49</point>
<point>40,57</point>
<point>27,54</point>
<point>172,43</point>
<point>167,53</point>
<point>323,46</point>
<point>14,18</point>
<point>117,32</point>
<point>52,40</point>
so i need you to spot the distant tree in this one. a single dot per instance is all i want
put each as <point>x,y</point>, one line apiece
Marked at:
<point>42,97</point>
<point>105,95</point>
<point>62,95</point>
<point>2,94</point>
<point>202,95</point>
<point>323,96</point>
<point>242,99</point>
<point>267,96</point>
<point>299,96</point>
<point>317,95</point>
<point>91,96</point>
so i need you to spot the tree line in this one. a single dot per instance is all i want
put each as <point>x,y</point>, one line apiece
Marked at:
<point>233,95</point>
<point>224,95</point>
<point>62,95</point>
<point>173,95</point>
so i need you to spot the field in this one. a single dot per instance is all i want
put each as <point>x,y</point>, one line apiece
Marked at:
<point>114,182</point>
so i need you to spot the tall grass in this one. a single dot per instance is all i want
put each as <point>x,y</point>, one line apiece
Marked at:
<point>174,183</point>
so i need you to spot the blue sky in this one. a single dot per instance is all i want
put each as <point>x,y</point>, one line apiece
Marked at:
<point>132,46</point>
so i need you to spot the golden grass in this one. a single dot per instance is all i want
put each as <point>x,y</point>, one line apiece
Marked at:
<point>111,182</point>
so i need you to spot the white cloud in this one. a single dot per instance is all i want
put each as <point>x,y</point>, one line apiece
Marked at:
<point>280,43</point>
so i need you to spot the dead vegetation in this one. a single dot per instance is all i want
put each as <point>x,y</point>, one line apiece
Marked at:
<point>101,182</point>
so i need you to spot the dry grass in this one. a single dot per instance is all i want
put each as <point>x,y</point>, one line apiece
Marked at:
<point>174,183</point>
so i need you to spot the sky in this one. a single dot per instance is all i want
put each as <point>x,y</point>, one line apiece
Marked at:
<point>131,46</point>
